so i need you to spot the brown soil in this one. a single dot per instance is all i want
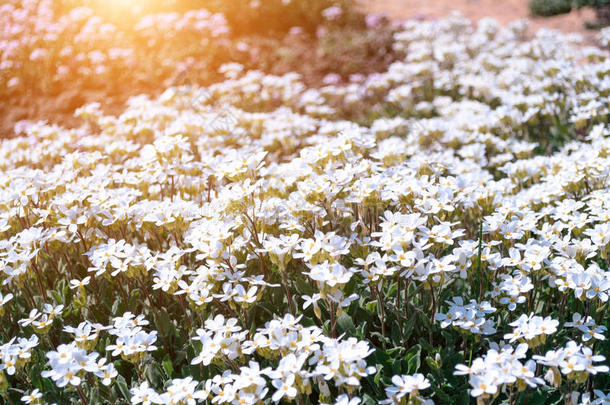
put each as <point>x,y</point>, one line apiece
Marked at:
<point>503,10</point>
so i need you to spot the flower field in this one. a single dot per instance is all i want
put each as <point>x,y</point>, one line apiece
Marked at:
<point>435,233</point>
<point>57,55</point>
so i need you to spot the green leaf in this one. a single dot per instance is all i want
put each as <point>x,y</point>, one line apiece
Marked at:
<point>57,297</point>
<point>35,377</point>
<point>305,321</point>
<point>48,386</point>
<point>378,375</point>
<point>368,400</point>
<point>154,373</point>
<point>94,396</point>
<point>345,324</point>
<point>397,366</point>
<point>410,326</point>
<point>395,332</point>
<point>361,330</point>
<point>392,290</point>
<point>162,322</point>
<point>122,384</point>
<point>115,307</point>
<point>350,287</point>
<point>542,396</point>
<point>168,366</point>
<point>180,356</point>
<point>413,357</point>
<point>390,352</point>
<point>303,287</point>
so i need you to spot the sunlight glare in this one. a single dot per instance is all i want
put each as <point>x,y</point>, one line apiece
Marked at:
<point>125,10</point>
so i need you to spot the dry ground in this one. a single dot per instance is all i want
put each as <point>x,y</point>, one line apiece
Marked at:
<point>503,10</point>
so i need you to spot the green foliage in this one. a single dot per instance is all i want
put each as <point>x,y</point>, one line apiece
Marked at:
<point>591,3</point>
<point>546,8</point>
<point>268,16</point>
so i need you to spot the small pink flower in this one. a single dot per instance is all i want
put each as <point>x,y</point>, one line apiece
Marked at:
<point>332,13</point>
<point>331,78</point>
<point>38,54</point>
<point>296,31</point>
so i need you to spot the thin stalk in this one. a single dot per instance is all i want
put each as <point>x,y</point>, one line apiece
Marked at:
<point>331,311</point>
<point>381,309</point>
<point>407,298</point>
<point>433,312</point>
<point>480,250</point>
<point>39,280</point>
<point>81,394</point>
<point>288,295</point>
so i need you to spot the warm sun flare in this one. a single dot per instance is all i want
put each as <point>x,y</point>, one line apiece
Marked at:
<point>119,11</point>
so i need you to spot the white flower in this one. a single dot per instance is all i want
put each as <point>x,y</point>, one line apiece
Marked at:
<point>284,388</point>
<point>32,396</point>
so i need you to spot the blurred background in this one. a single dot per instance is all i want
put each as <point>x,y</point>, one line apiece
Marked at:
<point>57,55</point>
<point>565,15</point>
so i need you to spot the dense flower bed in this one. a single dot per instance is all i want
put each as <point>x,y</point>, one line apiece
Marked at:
<point>42,50</point>
<point>56,56</point>
<point>438,232</point>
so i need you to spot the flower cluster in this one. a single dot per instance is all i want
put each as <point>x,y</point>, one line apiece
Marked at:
<point>587,326</point>
<point>574,361</point>
<point>181,390</point>
<point>132,342</point>
<point>69,363</point>
<point>500,367</point>
<point>407,385</point>
<point>532,328</point>
<point>470,317</point>
<point>16,355</point>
